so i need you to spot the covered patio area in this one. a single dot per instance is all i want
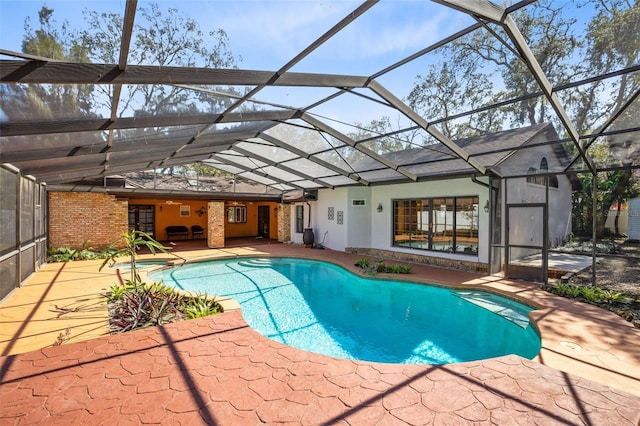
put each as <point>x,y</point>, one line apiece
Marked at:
<point>217,370</point>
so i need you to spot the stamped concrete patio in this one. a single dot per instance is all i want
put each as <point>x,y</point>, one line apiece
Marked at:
<point>217,370</point>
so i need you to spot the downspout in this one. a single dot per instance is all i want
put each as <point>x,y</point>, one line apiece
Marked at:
<point>491,219</point>
<point>475,180</point>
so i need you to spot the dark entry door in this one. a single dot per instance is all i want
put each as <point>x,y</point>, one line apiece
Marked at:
<point>142,218</point>
<point>263,221</point>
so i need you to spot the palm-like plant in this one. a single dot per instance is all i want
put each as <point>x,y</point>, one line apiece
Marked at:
<point>128,245</point>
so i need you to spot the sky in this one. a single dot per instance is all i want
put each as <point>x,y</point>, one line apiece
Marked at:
<point>266,34</point>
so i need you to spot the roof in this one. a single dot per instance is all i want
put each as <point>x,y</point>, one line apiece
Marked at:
<point>488,150</point>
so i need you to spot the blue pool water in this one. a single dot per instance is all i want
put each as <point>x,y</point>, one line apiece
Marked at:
<point>322,308</point>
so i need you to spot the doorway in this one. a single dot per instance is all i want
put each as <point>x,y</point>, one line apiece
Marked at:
<point>526,242</point>
<point>142,218</point>
<point>264,221</point>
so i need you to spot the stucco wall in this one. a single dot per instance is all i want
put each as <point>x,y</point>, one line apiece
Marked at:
<point>296,237</point>
<point>364,226</point>
<point>560,203</point>
<point>167,213</point>
<point>79,218</point>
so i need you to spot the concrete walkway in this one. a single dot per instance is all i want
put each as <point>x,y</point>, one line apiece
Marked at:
<point>217,370</point>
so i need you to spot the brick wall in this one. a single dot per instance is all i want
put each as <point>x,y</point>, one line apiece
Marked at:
<point>76,218</point>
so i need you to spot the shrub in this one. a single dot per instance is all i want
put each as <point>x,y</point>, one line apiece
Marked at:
<point>362,263</point>
<point>379,266</point>
<point>610,296</point>
<point>200,306</point>
<point>67,254</point>
<point>143,305</point>
<point>128,245</point>
<point>116,291</point>
<point>405,269</point>
<point>591,294</point>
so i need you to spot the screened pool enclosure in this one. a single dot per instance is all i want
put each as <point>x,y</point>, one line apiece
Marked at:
<point>321,95</point>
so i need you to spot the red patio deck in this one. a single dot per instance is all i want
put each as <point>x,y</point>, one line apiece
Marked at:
<point>217,370</point>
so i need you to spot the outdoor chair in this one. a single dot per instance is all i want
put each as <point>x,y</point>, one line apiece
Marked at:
<point>197,230</point>
<point>177,231</point>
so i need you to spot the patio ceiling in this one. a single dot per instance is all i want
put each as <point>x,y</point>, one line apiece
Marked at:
<point>255,132</point>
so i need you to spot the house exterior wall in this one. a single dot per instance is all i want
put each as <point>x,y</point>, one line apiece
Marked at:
<point>250,228</point>
<point>634,219</point>
<point>365,227</point>
<point>99,218</point>
<point>76,218</point>
<point>311,208</point>
<point>167,213</point>
<point>622,213</point>
<point>359,216</point>
<point>518,191</point>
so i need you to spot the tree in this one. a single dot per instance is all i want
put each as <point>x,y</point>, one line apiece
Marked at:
<point>49,100</point>
<point>452,87</point>
<point>202,170</point>
<point>610,43</point>
<point>164,38</point>
<point>128,245</point>
<point>378,138</point>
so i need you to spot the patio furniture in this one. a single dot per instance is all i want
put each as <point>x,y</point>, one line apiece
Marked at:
<point>177,231</point>
<point>197,230</point>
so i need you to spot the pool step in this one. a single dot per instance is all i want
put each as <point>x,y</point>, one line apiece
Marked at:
<point>512,313</point>
<point>259,263</point>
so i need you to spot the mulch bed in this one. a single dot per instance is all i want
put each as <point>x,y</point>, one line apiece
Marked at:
<point>619,272</point>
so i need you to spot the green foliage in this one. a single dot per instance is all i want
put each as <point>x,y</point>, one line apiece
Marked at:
<point>67,254</point>
<point>163,36</point>
<point>202,170</point>
<point>590,294</point>
<point>362,263</point>
<point>380,267</point>
<point>116,291</point>
<point>610,296</point>
<point>200,306</point>
<point>405,269</point>
<point>58,42</point>
<point>128,245</point>
<point>144,305</point>
<point>566,290</point>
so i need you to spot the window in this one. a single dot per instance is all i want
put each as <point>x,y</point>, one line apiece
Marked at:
<point>358,202</point>
<point>237,214</point>
<point>300,219</point>
<point>540,180</point>
<point>185,211</point>
<point>439,224</point>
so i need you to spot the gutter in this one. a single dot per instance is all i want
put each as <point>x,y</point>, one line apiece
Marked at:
<point>155,193</point>
<point>475,180</point>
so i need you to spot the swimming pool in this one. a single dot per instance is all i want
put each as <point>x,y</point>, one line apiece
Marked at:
<point>323,308</point>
